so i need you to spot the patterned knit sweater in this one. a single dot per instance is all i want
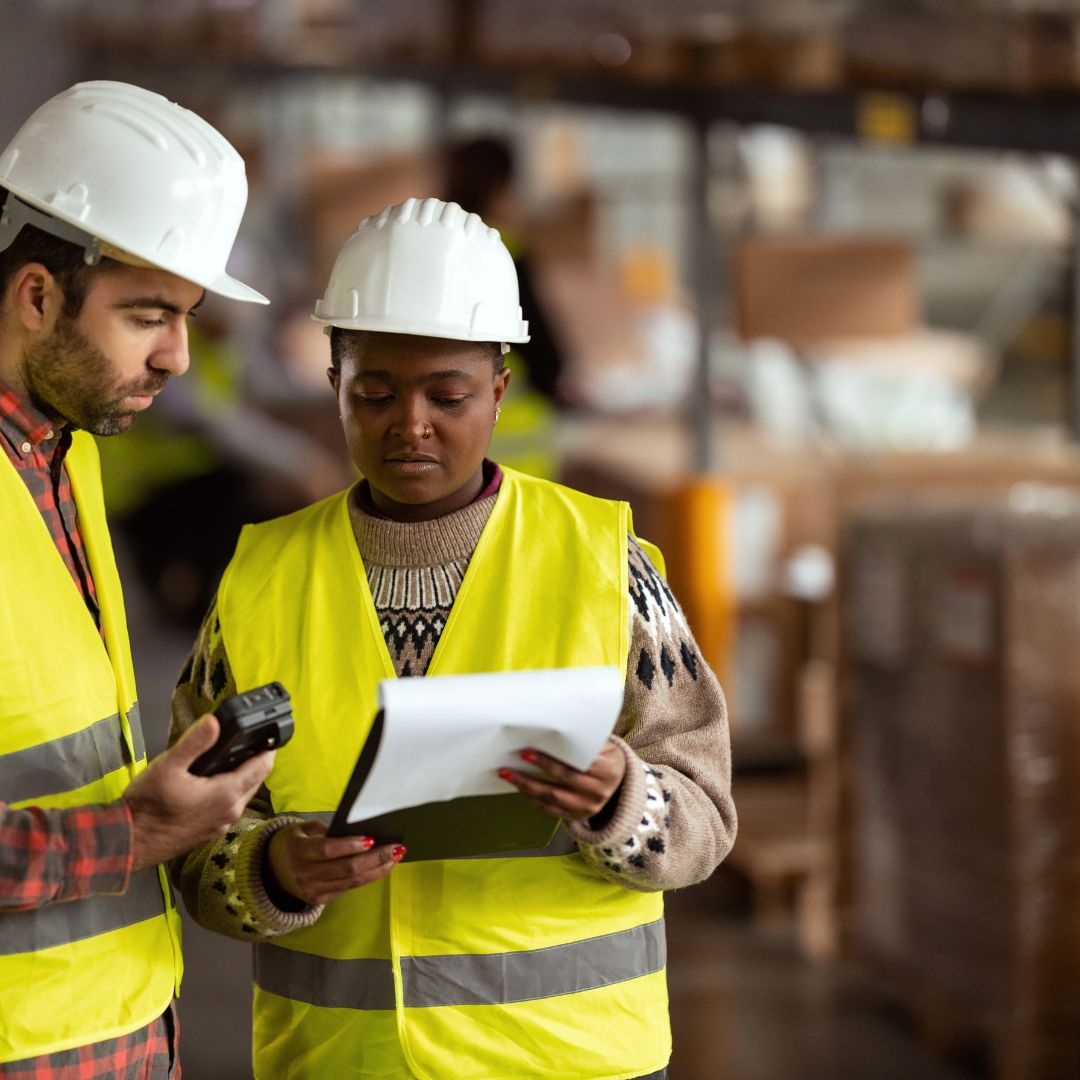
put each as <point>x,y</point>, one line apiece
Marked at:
<point>671,822</point>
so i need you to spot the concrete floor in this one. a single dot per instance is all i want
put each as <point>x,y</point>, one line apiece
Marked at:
<point>744,1006</point>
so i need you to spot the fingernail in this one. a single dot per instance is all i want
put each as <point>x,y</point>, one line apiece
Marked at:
<point>505,774</point>
<point>398,853</point>
<point>366,842</point>
<point>529,756</point>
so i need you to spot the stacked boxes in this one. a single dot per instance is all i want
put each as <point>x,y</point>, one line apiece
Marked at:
<point>963,621</point>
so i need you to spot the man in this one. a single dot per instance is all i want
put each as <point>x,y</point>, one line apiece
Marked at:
<point>119,210</point>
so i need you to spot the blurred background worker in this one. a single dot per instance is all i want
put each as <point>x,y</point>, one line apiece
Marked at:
<point>479,175</point>
<point>442,561</point>
<point>119,209</point>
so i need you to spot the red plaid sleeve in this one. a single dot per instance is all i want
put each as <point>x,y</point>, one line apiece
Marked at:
<point>51,855</point>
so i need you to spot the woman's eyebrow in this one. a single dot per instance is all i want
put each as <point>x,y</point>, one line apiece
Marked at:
<point>450,373</point>
<point>434,376</point>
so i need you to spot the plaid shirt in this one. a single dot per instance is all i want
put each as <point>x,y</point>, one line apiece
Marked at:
<point>48,856</point>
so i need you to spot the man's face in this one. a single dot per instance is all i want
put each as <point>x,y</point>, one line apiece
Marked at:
<point>418,414</point>
<point>100,369</point>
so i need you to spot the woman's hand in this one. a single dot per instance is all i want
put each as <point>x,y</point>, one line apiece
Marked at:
<point>567,792</point>
<point>316,868</point>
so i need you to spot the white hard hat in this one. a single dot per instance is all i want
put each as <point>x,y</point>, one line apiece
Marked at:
<point>109,163</point>
<point>425,267</point>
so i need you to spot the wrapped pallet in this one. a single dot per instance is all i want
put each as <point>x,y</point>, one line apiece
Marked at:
<point>963,628</point>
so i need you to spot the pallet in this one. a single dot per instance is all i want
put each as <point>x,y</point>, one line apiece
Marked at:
<point>788,868</point>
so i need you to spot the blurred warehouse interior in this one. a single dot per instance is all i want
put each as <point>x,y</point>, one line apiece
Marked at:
<point>805,279</point>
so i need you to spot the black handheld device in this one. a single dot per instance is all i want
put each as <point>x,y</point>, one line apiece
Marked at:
<point>257,720</point>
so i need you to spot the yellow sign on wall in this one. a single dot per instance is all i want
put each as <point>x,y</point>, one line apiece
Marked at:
<point>887,118</point>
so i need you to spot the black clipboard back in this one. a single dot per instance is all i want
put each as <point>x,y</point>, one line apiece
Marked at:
<point>469,826</point>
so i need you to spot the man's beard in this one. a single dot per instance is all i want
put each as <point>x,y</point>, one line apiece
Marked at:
<point>71,379</point>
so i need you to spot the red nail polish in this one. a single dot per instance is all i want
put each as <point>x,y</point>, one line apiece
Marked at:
<point>367,842</point>
<point>398,853</point>
<point>505,774</point>
<point>529,756</point>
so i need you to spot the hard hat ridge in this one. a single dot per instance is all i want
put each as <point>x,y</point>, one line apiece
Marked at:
<point>430,212</point>
<point>425,267</point>
<point>115,101</point>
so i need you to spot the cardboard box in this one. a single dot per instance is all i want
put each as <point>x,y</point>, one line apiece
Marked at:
<point>809,288</point>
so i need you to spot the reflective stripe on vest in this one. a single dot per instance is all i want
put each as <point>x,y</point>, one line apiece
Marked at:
<point>72,761</point>
<point>78,971</point>
<point>466,967</point>
<point>495,979</point>
<point>73,920</point>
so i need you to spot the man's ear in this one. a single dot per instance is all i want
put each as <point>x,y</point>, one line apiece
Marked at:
<point>35,297</point>
<point>335,378</point>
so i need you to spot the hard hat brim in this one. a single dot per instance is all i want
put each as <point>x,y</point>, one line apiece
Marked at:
<point>222,285</point>
<point>447,331</point>
<point>231,289</point>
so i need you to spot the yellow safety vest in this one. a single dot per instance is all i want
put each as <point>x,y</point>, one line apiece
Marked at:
<point>78,971</point>
<point>504,966</point>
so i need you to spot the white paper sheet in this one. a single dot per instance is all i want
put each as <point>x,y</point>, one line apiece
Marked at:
<point>447,736</point>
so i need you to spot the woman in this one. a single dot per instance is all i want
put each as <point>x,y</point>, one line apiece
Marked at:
<point>535,964</point>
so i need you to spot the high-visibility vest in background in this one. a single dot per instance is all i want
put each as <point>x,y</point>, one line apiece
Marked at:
<point>508,966</point>
<point>160,450</point>
<point>526,438</point>
<point>78,971</point>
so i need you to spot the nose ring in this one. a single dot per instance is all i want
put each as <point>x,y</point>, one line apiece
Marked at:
<point>427,433</point>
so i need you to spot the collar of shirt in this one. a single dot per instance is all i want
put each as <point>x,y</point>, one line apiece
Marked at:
<point>22,426</point>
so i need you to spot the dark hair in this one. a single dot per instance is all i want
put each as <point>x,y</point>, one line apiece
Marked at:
<point>350,343</point>
<point>476,170</point>
<point>61,258</point>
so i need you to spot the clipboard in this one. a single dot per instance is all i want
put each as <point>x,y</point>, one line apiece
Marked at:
<point>472,825</point>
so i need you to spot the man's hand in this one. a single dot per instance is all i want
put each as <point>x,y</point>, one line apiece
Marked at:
<point>567,792</point>
<point>175,811</point>
<point>316,868</point>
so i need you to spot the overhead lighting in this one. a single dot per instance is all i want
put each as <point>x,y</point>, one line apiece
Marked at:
<point>611,50</point>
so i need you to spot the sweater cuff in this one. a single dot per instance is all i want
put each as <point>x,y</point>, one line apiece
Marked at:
<point>271,919</point>
<point>628,812</point>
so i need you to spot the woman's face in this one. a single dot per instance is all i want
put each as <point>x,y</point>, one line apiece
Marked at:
<point>418,414</point>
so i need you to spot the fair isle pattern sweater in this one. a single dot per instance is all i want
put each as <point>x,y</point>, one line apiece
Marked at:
<point>669,825</point>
